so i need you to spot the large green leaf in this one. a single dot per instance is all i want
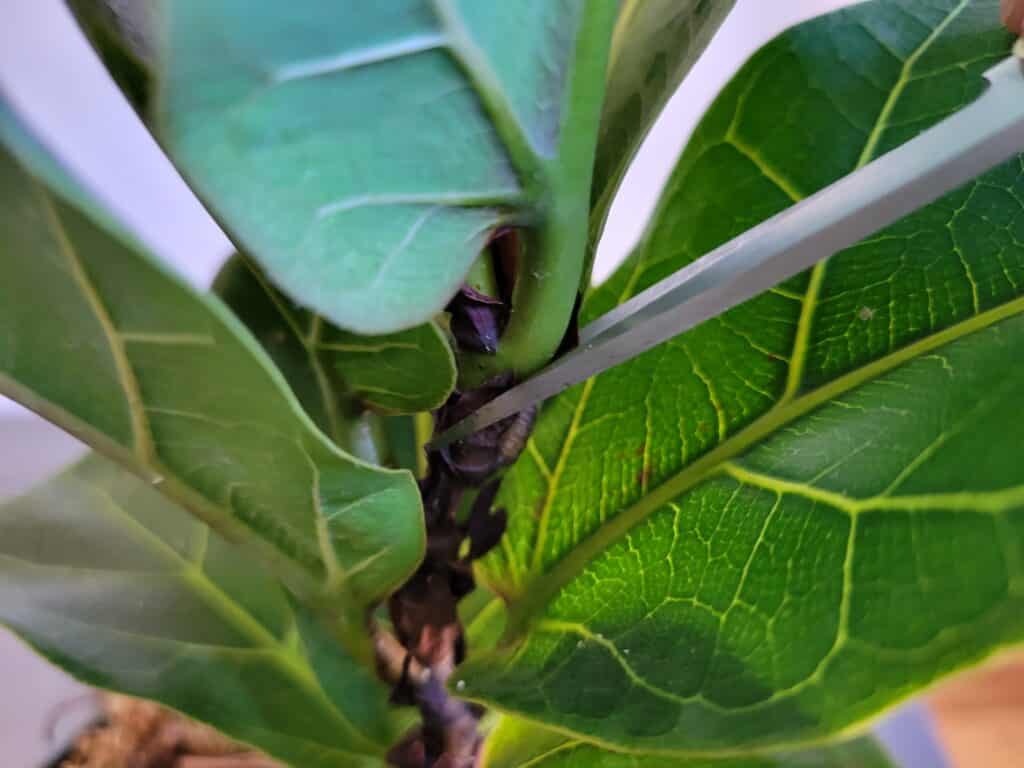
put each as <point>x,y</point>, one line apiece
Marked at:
<point>402,372</point>
<point>116,584</point>
<point>362,153</point>
<point>102,340</point>
<point>776,525</point>
<point>517,744</point>
<point>376,372</point>
<point>654,45</point>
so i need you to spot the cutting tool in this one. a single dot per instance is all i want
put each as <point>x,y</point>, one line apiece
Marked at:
<point>980,136</point>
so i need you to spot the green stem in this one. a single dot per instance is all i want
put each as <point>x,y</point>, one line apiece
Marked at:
<point>549,279</point>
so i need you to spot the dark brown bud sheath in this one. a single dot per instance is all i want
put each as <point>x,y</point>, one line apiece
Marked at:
<point>484,527</point>
<point>477,320</point>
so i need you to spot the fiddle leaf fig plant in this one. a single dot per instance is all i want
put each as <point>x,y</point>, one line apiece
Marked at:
<point>108,577</point>
<point>734,551</point>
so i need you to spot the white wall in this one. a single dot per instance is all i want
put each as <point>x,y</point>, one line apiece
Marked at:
<point>53,78</point>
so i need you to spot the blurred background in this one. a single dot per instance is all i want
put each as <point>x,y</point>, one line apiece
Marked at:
<point>55,81</point>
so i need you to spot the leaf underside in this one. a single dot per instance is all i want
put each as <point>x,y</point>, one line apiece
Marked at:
<point>364,155</point>
<point>99,339</point>
<point>773,527</point>
<point>117,32</point>
<point>120,587</point>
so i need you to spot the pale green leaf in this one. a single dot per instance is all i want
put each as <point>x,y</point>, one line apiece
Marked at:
<point>108,579</point>
<point>775,526</point>
<point>363,153</point>
<point>102,340</point>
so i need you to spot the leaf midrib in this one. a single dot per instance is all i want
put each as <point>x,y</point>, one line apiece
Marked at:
<point>140,456</point>
<point>191,574</point>
<point>534,173</point>
<point>230,611</point>
<point>464,50</point>
<point>882,123</point>
<point>622,26</point>
<point>715,461</point>
<point>309,344</point>
<point>868,153</point>
<point>218,517</point>
<point>797,362</point>
<point>138,452</point>
<point>142,439</point>
<point>301,577</point>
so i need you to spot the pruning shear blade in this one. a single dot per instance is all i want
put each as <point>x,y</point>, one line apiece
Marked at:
<point>980,136</point>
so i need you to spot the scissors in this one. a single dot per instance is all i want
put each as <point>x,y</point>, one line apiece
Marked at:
<point>980,136</point>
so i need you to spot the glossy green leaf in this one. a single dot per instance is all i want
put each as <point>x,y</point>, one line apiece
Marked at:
<point>363,153</point>
<point>330,370</point>
<point>102,340</point>
<point>777,525</point>
<point>518,744</point>
<point>654,45</point>
<point>108,579</point>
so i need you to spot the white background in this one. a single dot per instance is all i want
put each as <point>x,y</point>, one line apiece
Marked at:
<point>47,69</point>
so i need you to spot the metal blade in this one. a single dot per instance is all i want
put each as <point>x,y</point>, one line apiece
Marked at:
<point>982,135</point>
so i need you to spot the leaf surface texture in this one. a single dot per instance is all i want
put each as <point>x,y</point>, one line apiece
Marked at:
<point>364,153</point>
<point>113,582</point>
<point>773,527</point>
<point>100,339</point>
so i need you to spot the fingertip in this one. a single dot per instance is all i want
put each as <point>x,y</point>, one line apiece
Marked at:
<point>1012,12</point>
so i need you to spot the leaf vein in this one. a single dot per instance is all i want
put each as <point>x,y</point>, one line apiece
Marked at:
<point>141,438</point>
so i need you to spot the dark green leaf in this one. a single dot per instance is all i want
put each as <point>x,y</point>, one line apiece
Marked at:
<point>776,525</point>
<point>100,339</point>
<point>654,45</point>
<point>116,584</point>
<point>364,153</point>
<point>518,744</point>
<point>386,383</point>
<point>328,368</point>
